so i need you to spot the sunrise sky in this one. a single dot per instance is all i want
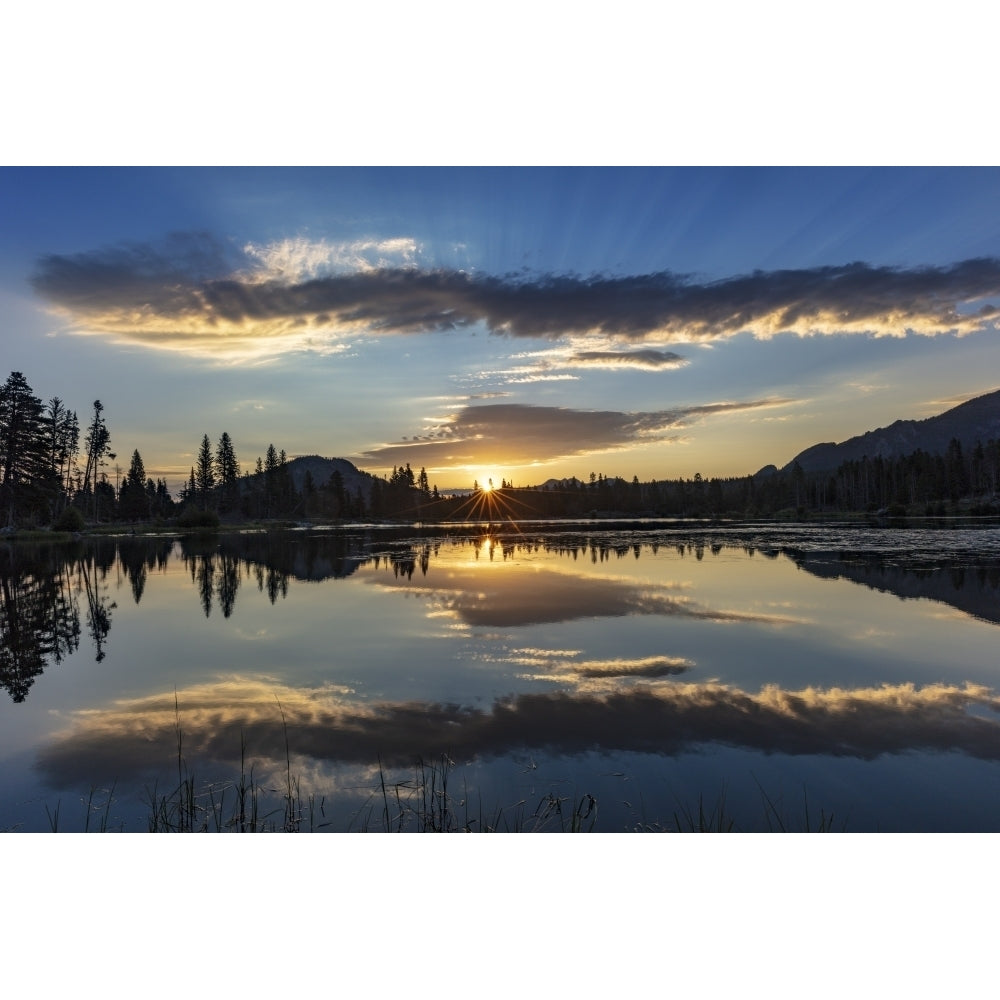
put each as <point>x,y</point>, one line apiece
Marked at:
<point>525,323</point>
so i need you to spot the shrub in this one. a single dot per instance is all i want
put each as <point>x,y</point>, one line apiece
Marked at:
<point>69,520</point>
<point>194,518</point>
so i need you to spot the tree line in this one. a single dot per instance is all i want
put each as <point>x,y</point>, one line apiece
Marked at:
<point>917,484</point>
<point>49,476</point>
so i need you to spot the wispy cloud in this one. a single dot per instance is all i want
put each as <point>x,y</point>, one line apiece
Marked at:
<point>556,364</point>
<point>297,260</point>
<point>199,295</point>
<point>647,360</point>
<point>528,376</point>
<point>520,434</point>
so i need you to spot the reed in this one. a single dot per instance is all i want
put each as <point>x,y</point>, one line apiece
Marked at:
<point>421,799</point>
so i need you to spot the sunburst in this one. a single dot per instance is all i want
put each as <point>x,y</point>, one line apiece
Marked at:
<point>491,503</point>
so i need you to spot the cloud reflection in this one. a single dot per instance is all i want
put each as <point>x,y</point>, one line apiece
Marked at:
<point>502,598</point>
<point>593,675</point>
<point>131,738</point>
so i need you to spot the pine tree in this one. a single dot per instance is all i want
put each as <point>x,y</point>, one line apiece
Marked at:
<point>308,493</point>
<point>205,475</point>
<point>164,502</point>
<point>228,473</point>
<point>98,445</point>
<point>338,495</point>
<point>63,439</point>
<point>24,465</point>
<point>286,488</point>
<point>133,502</point>
<point>270,481</point>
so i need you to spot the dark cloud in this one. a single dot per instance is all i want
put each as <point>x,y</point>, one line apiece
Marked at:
<point>517,433</point>
<point>132,738</point>
<point>148,294</point>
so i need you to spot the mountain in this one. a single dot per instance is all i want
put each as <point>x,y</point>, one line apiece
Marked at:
<point>976,420</point>
<point>323,468</point>
<point>561,484</point>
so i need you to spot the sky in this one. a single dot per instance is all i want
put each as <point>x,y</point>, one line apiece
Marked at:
<point>519,323</point>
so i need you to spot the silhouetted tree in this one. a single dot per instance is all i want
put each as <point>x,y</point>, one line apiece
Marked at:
<point>63,435</point>
<point>227,473</point>
<point>98,445</point>
<point>133,500</point>
<point>25,470</point>
<point>205,473</point>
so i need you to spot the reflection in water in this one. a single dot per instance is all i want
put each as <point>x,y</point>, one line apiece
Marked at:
<point>44,587</point>
<point>218,576</point>
<point>548,596</point>
<point>562,667</point>
<point>40,592</point>
<point>670,648</point>
<point>974,589</point>
<point>325,724</point>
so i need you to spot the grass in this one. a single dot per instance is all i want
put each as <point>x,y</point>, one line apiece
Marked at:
<point>424,800</point>
<point>424,803</point>
<point>777,819</point>
<point>91,809</point>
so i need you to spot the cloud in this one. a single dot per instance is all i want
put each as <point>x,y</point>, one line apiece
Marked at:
<point>868,387</point>
<point>516,378</point>
<point>551,364</point>
<point>648,360</point>
<point>297,260</point>
<point>521,434</point>
<point>131,738</point>
<point>198,295</point>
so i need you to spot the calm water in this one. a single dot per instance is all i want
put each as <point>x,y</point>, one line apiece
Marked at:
<point>783,675</point>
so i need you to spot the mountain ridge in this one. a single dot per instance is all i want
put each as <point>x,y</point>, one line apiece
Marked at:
<point>974,420</point>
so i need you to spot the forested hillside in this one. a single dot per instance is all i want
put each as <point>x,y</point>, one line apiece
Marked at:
<point>974,421</point>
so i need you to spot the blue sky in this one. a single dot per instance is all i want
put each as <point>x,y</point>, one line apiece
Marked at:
<point>521,323</point>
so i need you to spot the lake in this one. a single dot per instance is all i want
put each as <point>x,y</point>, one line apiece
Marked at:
<point>641,676</point>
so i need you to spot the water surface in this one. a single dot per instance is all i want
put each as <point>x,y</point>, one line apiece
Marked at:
<point>776,676</point>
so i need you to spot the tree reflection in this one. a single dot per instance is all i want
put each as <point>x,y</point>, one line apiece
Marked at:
<point>41,591</point>
<point>99,605</point>
<point>227,582</point>
<point>39,618</point>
